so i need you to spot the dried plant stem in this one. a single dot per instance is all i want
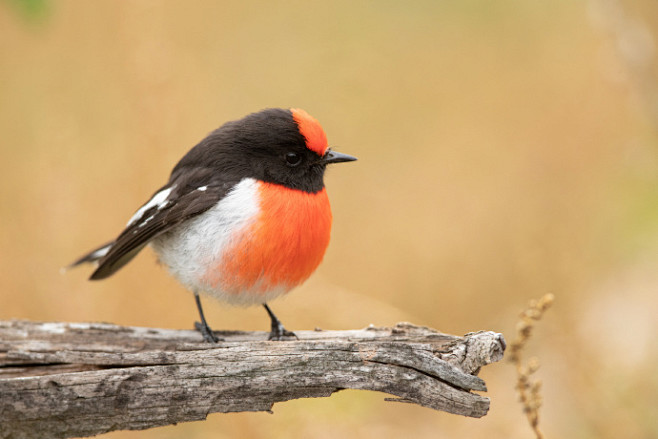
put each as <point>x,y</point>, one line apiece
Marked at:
<point>529,390</point>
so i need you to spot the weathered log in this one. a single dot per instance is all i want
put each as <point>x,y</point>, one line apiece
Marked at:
<point>82,379</point>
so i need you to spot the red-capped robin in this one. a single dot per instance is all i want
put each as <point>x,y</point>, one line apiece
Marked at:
<point>244,217</point>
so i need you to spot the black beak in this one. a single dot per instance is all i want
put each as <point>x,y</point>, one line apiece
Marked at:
<point>337,157</point>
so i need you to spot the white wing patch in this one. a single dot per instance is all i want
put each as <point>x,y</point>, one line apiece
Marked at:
<point>159,200</point>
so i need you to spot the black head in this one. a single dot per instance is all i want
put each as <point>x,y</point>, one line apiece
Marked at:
<point>286,147</point>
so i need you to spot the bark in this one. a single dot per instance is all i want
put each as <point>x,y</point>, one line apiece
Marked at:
<point>83,379</point>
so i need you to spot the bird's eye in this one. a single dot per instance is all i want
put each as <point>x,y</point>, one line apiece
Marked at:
<point>293,159</point>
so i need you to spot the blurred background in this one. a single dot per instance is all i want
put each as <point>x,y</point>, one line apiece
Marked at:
<point>506,150</point>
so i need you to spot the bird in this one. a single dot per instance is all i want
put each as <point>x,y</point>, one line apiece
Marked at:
<point>243,218</point>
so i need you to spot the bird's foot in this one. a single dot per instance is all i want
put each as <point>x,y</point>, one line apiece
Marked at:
<point>206,332</point>
<point>278,332</point>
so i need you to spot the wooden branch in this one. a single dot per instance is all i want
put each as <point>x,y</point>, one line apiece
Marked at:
<point>82,379</point>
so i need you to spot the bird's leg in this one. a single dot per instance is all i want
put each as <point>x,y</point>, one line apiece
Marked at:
<point>203,327</point>
<point>278,331</point>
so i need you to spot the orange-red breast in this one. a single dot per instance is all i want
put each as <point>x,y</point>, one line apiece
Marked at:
<point>244,217</point>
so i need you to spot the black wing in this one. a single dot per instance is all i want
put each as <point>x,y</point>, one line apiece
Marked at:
<point>188,197</point>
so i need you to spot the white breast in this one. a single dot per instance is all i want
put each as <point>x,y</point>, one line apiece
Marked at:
<point>190,248</point>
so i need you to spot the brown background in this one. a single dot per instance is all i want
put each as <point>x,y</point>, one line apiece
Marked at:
<point>506,150</point>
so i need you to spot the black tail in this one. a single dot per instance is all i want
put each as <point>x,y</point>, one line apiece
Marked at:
<point>93,255</point>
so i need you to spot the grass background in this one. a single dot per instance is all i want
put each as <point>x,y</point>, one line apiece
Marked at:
<point>506,150</point>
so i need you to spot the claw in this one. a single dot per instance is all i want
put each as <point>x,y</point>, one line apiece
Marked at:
<point>278,331</point>
<point>206,332</point>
